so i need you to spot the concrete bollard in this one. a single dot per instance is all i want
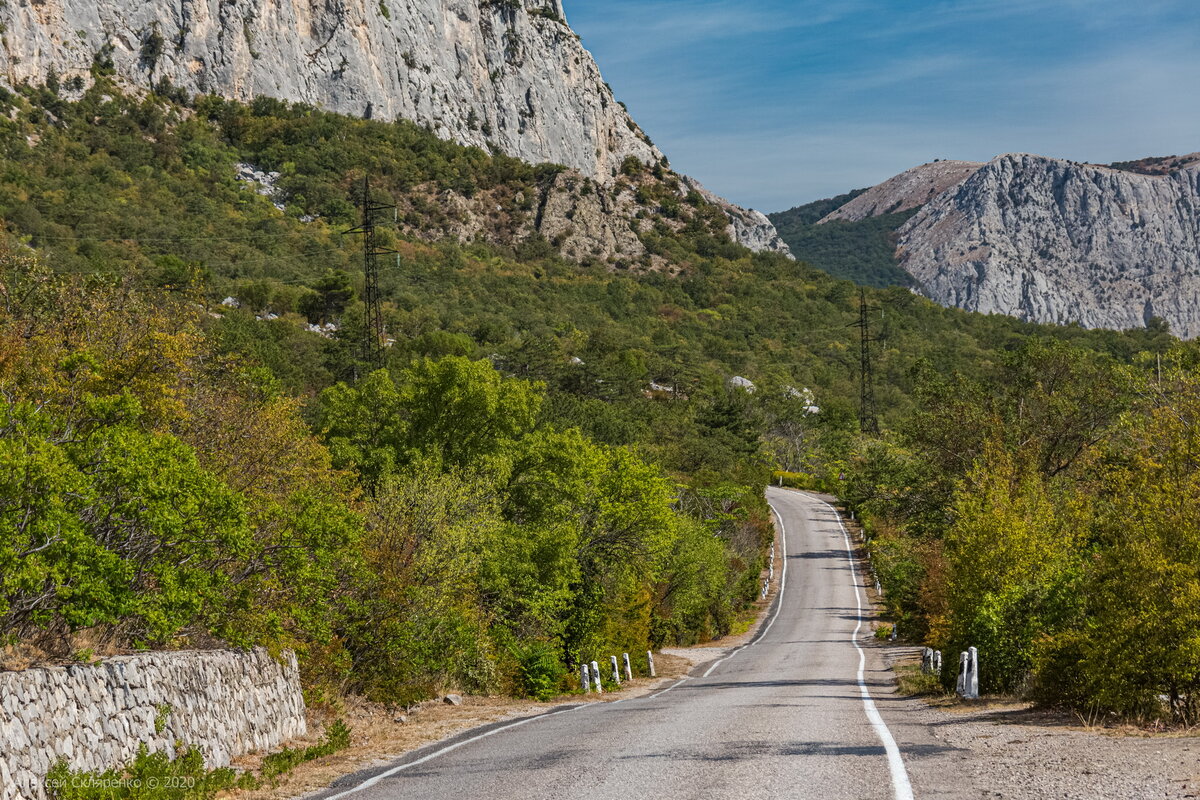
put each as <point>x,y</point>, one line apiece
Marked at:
<point>616,671</point>
<point>650,663</point>
<point>926,660</point>
<point>878,589</point>
<point>628,668</point>
<point>596,677</point>
<point>963,666</point>
<point>972,674</point>
<point>937,662</point>
<point>895,631</point>
<point>585,678</point>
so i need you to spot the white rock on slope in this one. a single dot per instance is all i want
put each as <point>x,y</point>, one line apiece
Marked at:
<point>1056,241</point>
<point>504,74</point>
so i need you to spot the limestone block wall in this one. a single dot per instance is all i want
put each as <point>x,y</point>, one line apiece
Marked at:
<point>227,703</point>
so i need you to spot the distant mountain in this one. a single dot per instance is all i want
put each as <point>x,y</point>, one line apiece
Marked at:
<point>1042,239</point>
<point>1058,241</point>
<point>906,191</point>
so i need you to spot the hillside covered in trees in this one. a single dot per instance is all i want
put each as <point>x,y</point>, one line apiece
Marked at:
<point>862,251</point>
<point>551,462</point>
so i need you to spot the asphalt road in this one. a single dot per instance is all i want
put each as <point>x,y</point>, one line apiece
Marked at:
<point>801,712</point>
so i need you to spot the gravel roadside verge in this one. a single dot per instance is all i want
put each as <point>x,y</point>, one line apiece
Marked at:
<point>1010,750</point>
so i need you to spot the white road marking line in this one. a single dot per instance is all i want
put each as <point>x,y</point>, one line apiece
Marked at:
<point>664,691</point>
<point>901,787</point>
<point>396,770</point>
<point>778,599</point>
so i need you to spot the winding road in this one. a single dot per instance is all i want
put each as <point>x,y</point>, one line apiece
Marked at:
<point>806,710</point>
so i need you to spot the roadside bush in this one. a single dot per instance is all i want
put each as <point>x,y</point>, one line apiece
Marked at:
<point>542,672</point>
<point>795,480</point>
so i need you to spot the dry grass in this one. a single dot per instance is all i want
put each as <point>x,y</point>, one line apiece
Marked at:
<point>55,649</point>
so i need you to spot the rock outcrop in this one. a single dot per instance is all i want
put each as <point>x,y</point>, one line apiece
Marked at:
<point>1057,241</point>
<point>508,75</point>
<point>746,226</point>
<point>585,220</point>
<point>906,191</point>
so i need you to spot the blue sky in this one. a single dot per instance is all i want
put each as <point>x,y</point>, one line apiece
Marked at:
<point>773,103</point>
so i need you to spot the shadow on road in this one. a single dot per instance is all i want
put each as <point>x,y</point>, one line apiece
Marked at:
<point>744,751</point>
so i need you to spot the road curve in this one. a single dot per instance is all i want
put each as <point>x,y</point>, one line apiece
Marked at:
<point>795,714</point>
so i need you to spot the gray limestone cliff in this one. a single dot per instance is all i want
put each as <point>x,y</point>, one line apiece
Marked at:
<point>496,73</point>
<point>508,75</point>
<point>1057,241</point>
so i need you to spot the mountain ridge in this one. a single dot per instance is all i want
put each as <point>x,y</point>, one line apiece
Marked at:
<point>1042,239</point>
<point>1051,240</point>
<point>910,189</point>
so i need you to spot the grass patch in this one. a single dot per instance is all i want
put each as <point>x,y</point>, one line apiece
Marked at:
<point>915,683</point>
<point>743,621</point>
<point>157,776</point>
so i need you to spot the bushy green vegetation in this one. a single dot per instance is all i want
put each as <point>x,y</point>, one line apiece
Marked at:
<point>551,463</point>
<point>1046,514</point>
<point>434,526</point>
<point>862,251</point>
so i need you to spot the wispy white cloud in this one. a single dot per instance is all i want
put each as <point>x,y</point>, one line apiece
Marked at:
<point>676,24</point>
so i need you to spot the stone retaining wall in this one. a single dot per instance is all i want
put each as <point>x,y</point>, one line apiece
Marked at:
<point>226,703</point>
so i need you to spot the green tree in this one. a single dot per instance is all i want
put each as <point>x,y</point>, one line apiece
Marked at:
<point>1014,568</point>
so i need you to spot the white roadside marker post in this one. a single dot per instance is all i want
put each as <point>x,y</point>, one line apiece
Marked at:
<point>973,674</point>
<point>585,679</point>
<point>650,661</point>
<point>596,677</point>
<point>937,662</point>
<point>616,671</point>
<point>926,660</point>
<point>628,667</point>
<point>963,666</point>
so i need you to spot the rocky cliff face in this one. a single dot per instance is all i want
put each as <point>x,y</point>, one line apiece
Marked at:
<point>1056,241</point>
<point>504,74</point>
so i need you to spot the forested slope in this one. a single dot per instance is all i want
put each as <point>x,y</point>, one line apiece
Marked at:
<point>551,463</point>
<point>862,250</point>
